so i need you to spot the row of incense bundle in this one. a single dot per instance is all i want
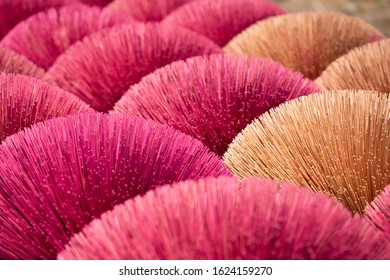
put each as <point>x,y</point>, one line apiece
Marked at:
<point>192,129</point>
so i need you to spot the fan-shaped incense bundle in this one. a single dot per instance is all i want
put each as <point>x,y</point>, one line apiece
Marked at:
<point>307,42</point>
<point>146,10</point>
<point>25,101</point>
<point>367,67</point>
<point>337,143</point>
<point>213,98</point>
<point>221,20</point>
<point>102,67</point>
<point>14,11</point>
<point>59,175</point>
<point>224,219</point>
<point>44,36</point>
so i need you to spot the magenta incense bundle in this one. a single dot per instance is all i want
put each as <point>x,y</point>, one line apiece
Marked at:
<point>227,219</point>
<point>60,174</point>
<point>146,10</point>
<point>213,98</point>
<point>221,20</point>
<point>378,212</point>
<point>194,130</point>
<point>12,62</point>
<point>101,3</point>
<point>102,67</point>
<point>46,35</point>
<point>25,101</point>
<point>14,11</point>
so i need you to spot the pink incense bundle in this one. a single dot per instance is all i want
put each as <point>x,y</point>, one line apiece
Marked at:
<point>213,98</point>
<point>366,67</point>
<point>101,3</point>
<point>146,10</point>
<point>221,20</point>
<point>307,42</point>
<point>44,36</point>
<point>227,219</point>
<point>59,175</point>
<point>379,211</point>
<point>25,101</point>
<point>11,62</point>
<point>14,11</point>
<point>102,67</point>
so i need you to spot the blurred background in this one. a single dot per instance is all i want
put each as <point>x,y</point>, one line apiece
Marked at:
<point>376,12</point>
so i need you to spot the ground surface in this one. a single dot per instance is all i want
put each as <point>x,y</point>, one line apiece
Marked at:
<point>376,12</point>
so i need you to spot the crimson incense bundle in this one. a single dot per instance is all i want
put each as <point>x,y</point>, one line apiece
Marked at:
<point>46,35</point>
<point>213,98</point>
<point>60,174</point>
<point>102,67</point>
<point>226,219</point>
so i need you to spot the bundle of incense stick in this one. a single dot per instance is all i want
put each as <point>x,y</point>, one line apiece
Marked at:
<point>192,129</point>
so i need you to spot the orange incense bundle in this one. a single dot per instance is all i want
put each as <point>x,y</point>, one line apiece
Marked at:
<point>336,142</point>
<point>366,67</point>
<point>307,42</point>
